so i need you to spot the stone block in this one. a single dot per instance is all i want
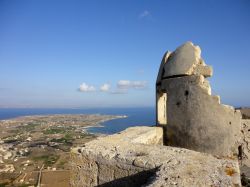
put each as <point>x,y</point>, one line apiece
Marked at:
<point>197,121</point>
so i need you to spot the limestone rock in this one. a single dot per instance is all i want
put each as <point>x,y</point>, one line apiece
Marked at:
<point>245,164</point>
<point>141,134</point>
<point>195,173</point>
<point>186,60</point>
<point>117,161</point>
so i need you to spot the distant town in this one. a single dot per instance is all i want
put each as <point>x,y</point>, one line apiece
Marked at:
<point>32,147</point>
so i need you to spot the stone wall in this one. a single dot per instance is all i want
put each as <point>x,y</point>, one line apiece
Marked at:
<point>195,119</point>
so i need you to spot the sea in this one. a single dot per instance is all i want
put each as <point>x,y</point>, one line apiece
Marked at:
<point>135,116</point>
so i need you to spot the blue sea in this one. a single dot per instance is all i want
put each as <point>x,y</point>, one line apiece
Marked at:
<point>136,116</point>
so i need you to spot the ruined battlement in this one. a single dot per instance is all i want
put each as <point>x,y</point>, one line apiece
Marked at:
<point>197,141</point>
<point>191,116</point>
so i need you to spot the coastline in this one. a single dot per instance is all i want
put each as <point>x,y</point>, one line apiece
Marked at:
<point>43,141</point>
<point>85,128</point>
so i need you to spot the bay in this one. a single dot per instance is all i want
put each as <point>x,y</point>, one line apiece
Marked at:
<point>135,116</point>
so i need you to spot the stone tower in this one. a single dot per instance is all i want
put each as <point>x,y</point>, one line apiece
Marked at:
<point>191,117</point>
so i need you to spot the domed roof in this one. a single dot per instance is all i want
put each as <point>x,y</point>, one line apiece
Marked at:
<point>185,60</point>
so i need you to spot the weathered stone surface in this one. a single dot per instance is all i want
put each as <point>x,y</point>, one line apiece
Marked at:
<point>140,134</point>
<point>161,69</point>
<point>197,121</point>
<point>197,173</point>
<point>192,118</point>
<point>245,164</point>
<point>89,169</point>
<point>185,60</point>
<point>114,161</point>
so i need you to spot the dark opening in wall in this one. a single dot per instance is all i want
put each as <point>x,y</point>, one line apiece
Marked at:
<point>186,93</point>
<point>240,152</point>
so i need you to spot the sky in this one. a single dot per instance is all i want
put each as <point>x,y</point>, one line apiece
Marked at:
<point>66,54</point>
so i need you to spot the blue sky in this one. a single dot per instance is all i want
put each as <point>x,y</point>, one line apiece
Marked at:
<point>56,53</point>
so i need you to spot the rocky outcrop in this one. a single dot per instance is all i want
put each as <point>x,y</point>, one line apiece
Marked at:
<point>122,160</point>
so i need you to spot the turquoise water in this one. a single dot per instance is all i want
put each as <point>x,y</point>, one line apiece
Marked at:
<point>136,116</point>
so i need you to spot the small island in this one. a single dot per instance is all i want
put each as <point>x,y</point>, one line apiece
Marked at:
<point>32,144</point>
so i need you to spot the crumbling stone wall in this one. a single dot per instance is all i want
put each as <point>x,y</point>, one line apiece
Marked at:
<point>195,119</point>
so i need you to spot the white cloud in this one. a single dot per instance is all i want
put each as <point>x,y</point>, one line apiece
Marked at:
<point>86,88</point>
<point>122,87</point>
<point>123,84</point>
<point>105,87</point>
<point>139,84</point>
<point>126,84</point>
<point>144,14</point>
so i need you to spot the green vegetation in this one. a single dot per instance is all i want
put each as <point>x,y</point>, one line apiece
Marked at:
<point>54,130</point>
<point>48,160</point>
<point>10,141</point>
<point>61,140</point>
<point>24,185</point>
<point>68,136</point>
<point>61,164</point>
<point>67,139</point>
<point>30,126</point>
<point>4,184</point>
<point>14,131</point>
